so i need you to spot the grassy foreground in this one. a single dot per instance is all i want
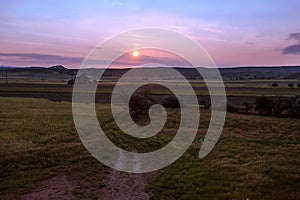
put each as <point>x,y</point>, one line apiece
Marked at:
<point>38,140</point>
<point>256,157</point>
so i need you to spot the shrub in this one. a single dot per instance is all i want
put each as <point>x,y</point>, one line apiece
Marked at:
<point>140,103</point>
<point>81,79</point>
<point>295,105</point>
<point>274,85</point>
<point>280,104</point>
<point>291,85</point>
<point>171,102</point>
<point>247,107</point>
<point>206,104</point>
<point>232,108</point>
<point>263,105</point>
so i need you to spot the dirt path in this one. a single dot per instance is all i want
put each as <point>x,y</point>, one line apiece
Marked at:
<point>124,186</point>
<point>56,187</point>
<point>118,186</point>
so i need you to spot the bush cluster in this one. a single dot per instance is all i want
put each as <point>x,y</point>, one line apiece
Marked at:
<point>279,105</point>
<point>140,103</point>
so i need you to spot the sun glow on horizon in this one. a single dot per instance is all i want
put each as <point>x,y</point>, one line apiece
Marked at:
<point>135,53</point>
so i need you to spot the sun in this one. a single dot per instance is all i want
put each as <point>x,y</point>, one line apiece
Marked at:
<point>135,53</point>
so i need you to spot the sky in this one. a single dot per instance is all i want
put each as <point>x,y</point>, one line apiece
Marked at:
<point>234,32</point>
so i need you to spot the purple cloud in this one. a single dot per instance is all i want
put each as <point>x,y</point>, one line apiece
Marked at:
<point>295,48</point>
<point>45,58</point>
<point>295,36</point>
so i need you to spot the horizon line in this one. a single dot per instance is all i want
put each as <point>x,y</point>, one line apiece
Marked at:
<point>131,67</point>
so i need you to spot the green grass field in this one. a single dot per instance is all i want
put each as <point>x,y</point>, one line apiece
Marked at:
<point>257,157</point>
<point>233,88</point>
<point>38,139</point>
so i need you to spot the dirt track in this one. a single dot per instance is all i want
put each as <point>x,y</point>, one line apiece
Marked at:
<point>56,187</point>
<point>122,185</point>
<point>118,186</point>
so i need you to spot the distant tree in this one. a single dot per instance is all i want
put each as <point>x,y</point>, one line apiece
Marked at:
<point>295,105</point>
<point>291,85</point>
<point>232,108</point>
<point>71,81</point>
<point>298,85</point>
<point>247,107</point>
<point>280,104</point>
<point>138,105</point>
<point>171,102</point>
<point>206,104</point>
<point>263,105</point>
<point>274,85</point>
<point>140,102</point>
<point>81,79</point>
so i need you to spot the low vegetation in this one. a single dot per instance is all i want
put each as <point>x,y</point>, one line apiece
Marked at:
<point>37,140</point>
<point>279,106</point>
<point>255,158</point>
<point>140,102</point>
<point>171,101</point>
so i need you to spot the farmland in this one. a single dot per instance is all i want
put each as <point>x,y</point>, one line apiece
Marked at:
<point>257,157</point>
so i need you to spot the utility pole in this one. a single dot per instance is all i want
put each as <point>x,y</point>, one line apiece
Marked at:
<point>6,80</point>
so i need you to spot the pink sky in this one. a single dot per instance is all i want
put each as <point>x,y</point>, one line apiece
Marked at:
<point>234,33</point>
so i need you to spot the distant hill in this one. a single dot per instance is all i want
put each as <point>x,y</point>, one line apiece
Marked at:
<point>61,73</point>
<point>284,72</point>
<point>29,74</point>
<point>5,66</point>
<point>58,67</point>
<point>249,73</point>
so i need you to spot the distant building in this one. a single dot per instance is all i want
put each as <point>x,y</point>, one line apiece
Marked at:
<point>81,79</point>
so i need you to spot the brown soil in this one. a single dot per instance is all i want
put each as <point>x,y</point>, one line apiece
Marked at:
<point>123,186</point>
<point>56,187</point>
<point>116,186</point>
